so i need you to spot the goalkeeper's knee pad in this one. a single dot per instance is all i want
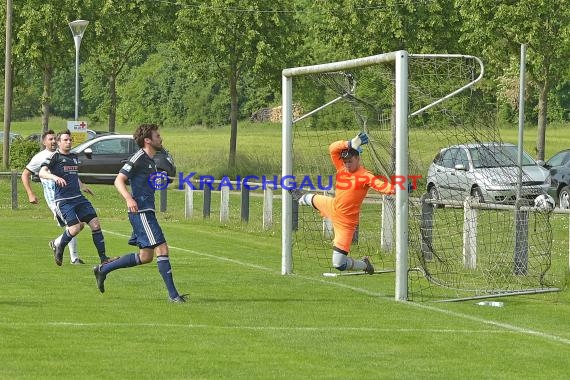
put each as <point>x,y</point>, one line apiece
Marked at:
<point>341,261</point>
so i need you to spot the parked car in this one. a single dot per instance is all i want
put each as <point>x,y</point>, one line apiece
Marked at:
<point>487,171</point>
<point>108,153</point>
<point>559,167</point>
<point>13,136</point>
<point>91,134</point>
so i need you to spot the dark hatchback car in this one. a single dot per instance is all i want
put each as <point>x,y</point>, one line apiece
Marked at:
<point>91,134</point>
<point>559,166</point>
<point>101,158</point>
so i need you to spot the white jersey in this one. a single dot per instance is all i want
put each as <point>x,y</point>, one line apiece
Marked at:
<point>34,166</point>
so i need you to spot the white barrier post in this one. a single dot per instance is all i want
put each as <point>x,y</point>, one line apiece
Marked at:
<point>267,208</point>
<point>470,215</point>
<point>188,202</point>
<point>426,227</point>
<point>225,204</point>
<point>387,230</point>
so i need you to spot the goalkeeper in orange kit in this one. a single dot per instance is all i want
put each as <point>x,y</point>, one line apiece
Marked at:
<point>351,187</point>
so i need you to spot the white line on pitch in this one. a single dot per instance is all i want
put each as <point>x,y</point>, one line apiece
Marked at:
<point>258,328</point>
<point>507,326</point>
<point>221,258</point>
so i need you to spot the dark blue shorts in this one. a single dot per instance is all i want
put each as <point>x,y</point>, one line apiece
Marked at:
<point>146,230</point>
<point>76,210</point>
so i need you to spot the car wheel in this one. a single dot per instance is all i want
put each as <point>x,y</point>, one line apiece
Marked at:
<point>564,197</point>
<point>478,194</point>
<point>434,194</point>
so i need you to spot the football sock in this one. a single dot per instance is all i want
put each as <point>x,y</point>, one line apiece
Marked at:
<point>125,261</point>
<point>99,242</point>
<point>65,238</point>
<point>358,265</point>
<point>73,249</point>
<point>165,270</point>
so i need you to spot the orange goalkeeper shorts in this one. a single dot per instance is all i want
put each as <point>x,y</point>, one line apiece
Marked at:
<point>343,227</point>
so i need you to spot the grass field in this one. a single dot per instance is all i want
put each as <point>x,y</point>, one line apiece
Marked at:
<point>244,319</point>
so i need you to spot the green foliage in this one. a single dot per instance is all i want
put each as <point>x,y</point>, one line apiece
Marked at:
<point>124,34</point>
<point>166,90</point>
<point>63,94</point>
<point>353,28</point>
<point>26,94</point>
<point>94,93</point>
<point>21,151</point>
<point>225,45</point>
<point>559,107</point>
<point>132,47</point>
<point>496,31</point>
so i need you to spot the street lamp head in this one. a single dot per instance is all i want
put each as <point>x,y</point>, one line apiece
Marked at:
<point>78,27</point>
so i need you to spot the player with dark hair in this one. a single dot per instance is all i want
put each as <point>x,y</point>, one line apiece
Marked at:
<point>351,187</point>
<point>71,206</point>
<point>142,174</point>
<point>32,169</point>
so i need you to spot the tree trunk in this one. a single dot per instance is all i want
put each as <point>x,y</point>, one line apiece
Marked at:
<point>233,119</point>
<point>542,112</point>
<point>113,102</point>
<point>46,97</point>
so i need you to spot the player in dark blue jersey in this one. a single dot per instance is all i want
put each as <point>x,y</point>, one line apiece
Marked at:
<point>71,206</point>
<point>142,174</point>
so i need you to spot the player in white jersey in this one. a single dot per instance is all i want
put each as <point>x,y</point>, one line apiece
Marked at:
<point>33,168</point>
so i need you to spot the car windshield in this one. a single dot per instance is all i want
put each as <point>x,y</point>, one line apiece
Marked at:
<point>494,156</point>
<point>81,147</point>
<point>558,159</point>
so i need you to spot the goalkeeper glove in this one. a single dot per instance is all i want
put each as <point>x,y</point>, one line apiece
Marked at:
<point>360,139</point>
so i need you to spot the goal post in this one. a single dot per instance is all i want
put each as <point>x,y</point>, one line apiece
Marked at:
<point>402,206</point>
<point>400,60</point>
<point>443,247</point>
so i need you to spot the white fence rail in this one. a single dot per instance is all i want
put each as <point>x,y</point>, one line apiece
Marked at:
<point>387,235</point>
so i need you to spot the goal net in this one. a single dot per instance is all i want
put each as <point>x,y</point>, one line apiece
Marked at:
<point>440,243</point>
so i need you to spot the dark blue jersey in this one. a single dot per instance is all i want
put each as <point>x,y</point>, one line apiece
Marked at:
<point>139,169</point>
<point>65,166</point>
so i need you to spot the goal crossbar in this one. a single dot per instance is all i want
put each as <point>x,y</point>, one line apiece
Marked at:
<point>400,58</point>
<point>401,114</point>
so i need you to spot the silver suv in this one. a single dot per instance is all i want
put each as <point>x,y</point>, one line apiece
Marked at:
<point>487,171</point>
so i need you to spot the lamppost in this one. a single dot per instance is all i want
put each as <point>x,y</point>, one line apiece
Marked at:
<point>77,28</point>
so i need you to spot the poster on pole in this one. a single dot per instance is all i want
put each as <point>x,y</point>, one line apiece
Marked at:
<point>78,131</point>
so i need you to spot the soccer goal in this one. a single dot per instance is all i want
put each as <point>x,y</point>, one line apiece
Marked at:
<point>411,106</point>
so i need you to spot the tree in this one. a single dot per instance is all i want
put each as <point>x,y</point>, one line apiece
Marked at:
<point>43,41</point>
<point>124,33</point>
<point>161,89</point>
<point>356,28</point>
<point>226,38</point>
<point>497,29</point>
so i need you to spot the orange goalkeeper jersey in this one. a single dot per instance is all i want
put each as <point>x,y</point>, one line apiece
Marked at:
<point>351,188</point>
